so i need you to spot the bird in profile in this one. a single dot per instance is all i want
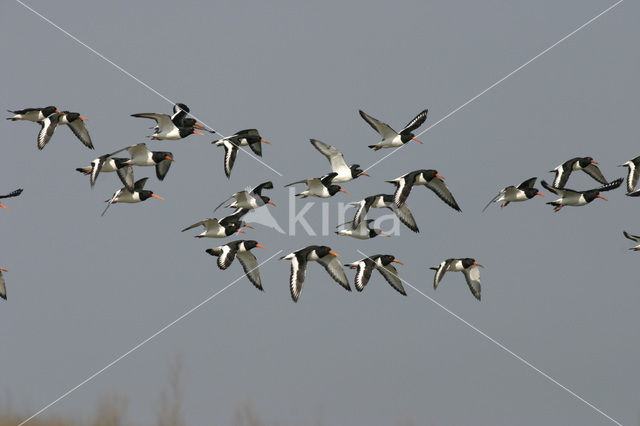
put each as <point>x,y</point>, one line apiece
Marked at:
<point>381,262</point>
<point>633,173</point>
<point>635,238</point>
<point>511,194</point>
<point>345,173</point>
<point>586,164</point>
<point>570,197</point>
<point>429,178</point>
<point>468,266</point>
<point>360,231</point>
<point>381,201</point>
<point>32,114</point>
<point>231,144</point>
<point>143,157</point>
<point>10,195</point>
<point>321,254</point>
<point>75,122</point>
<point>240,248</point>
<point>250,200</point>
<point>228,225</point>
<point>319,187</point>
<point>174,127</point>
<point>106,163</point>
<point>123,195</point>
<point>391,138</point>
<point>3,285</point>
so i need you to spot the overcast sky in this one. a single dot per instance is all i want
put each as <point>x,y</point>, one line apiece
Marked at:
<point>559,289</point>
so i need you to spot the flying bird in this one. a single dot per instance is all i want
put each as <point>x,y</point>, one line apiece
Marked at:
<point>634,171</point>
<point>319,187</point>
<point>32,114</point>
<point>321,254</point>
<point>143,157</point>
<point>381,262</point>
<point>173,127</point>
<point>360,231</point>
<point>570,197</point>
<point>635,238</point>
<point>3,285</point>
<point>106,163</point>
<point>240,248</point>
<point>123,195</point>
<point>391,138</point>
<point>228,225</point>
<point>250,200</point>
<point>231,144</point>
<point>345,173</point>
<point>586,164</point>
<point>384,201</point>
<point>429,178</point>
<point>468,266</point>
<point>10,195</point>
<point>75,122</point>
<point>511,194</point>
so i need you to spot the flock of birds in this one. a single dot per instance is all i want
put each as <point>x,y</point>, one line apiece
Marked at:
<point>179,125</point>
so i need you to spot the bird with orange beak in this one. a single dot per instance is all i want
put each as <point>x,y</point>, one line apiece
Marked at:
<point>468,266</point>
<point>75,122</point>
<point>123,195</point>
<point>241,249</point>
<point>391,138</point>
<point>569,197</point>
<point>381,262</point>
<point>345,173</point>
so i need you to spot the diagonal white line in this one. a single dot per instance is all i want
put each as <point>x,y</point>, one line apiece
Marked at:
<point>503,347</point>
<point>163,329</point>
<point>127,73</point>
<point>501,80</point>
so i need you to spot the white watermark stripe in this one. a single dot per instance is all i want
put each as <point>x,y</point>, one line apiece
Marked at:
<point>142,343</point>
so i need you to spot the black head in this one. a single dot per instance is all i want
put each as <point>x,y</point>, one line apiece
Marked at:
<point>158,156</point>
<point>72,116</point>
<point>249,244</point>
<point>469,261</point>
<point>532,192</point>
<point>589,196</point>
<point>49,110</point>
<point>585,161</point>
<point>322,251</point>
<point>386,259</point>
<point>267,200</point>
<point>144,194</point>
<point>186,131</point>
<point>335,188</point>
<point>406,137</point>
<point>188,122</point>
<point>430,174</point>
<point>357,171</point>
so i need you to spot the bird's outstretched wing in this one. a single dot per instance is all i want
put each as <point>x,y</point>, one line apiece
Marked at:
<point>382,128</point>
<point>334,268</point>
<point>79,129</point>
<point>415,122</point>
<point>472,275</point>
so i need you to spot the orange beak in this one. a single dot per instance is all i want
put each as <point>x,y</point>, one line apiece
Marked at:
<point>169,158</point>
<point>334,253</point>
<point>272,203</point>
<point>540,194</point>
<point>594,162</point>
<point>397,261</point>
<point>477,264</point>
<point>262,247</point>
<point>59,112</point>
<point>2,269</point>
<point>263,141</point>
<point>4,207</point>
<point>440,176</point>
<point>248,226</point>
<point>84,118</point>
<point>365,174</point>
<point>198,133</point>
<point>200,126</point>
<point>600,196</point>
<point>240,231</point>
<point>157,196</point>
<point>417,140</point>
<point>342,190</point>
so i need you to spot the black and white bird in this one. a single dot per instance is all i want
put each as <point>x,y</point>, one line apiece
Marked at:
<point>250,200</point>
<point>360,231</point>
<point>107,163</point>
<point>429,178</point>
<point>345,173</point>
<point>123,195</point>
<point>381,201</point>
<point>173,127</point>
<point>32,114</point>
<point>391,138</point>
<point>634,172</point>
<point>221,228</point>
<point>511,194</point>
<point>381,262</point>
<point>3,285</point>
<point>231,144</point>
<point>635,238</point>
<point>10,195</point>
<point>75,122</point>
<point>319,187</point>
<point>570,197</point>
<point>321,254</point>
<point>143,157</point>
<point>468,266</point>
<point>586,164</point>
<point>240,248</point>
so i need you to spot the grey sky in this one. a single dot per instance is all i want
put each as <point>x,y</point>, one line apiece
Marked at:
<point>559,289</point>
